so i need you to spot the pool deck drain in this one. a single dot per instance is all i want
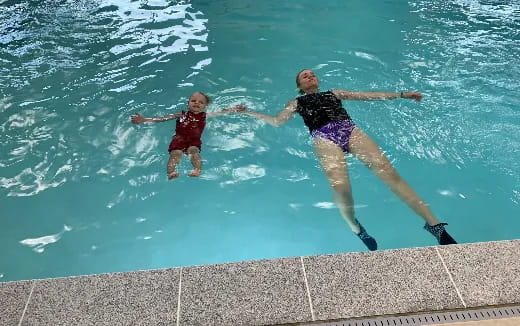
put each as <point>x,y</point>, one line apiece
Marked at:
<point>494,322</point>
<point>299,290</point>
<point>485,316</point>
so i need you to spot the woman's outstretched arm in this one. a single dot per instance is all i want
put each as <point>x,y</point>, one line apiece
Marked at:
<point>282,117</point>
<point>367,96</point>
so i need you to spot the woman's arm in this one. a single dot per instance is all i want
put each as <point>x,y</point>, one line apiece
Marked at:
<point>349,95</point>
<point>281,118</point>
<point>138,118</point>
<point>237,108</point>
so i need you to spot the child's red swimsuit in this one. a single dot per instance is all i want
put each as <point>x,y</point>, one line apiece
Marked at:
<point>188,131</point>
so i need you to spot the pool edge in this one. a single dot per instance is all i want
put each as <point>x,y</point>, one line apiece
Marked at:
<point>277,291</point>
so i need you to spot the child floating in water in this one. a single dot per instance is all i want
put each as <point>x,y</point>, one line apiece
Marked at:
<point>188,131</point>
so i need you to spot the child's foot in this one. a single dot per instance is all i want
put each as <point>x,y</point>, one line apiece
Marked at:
<point>173,175</point>
<point>367,239</point>
<point>440,233</point>
<point>194,173</point>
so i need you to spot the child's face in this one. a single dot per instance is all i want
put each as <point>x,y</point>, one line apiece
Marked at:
<point>197,103</point>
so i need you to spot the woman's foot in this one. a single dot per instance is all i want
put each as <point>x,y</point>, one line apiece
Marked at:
<point>194,173</point>
<point>440,233</point>
<point>367,239</point>
<point>173,175</point>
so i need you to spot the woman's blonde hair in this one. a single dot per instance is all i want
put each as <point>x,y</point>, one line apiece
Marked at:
<point>300,91</point>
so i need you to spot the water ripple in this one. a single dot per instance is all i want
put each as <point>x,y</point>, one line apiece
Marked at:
<point>471,74</point>
<point>68,85</point>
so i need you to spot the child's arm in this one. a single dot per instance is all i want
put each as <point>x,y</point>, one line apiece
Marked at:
<point>237,108</point>
<point>282,117</point>
<point>137,118</point>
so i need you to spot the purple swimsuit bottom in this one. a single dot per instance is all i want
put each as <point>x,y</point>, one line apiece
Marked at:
<point>337,132</point>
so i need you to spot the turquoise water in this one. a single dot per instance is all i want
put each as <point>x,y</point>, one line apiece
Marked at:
<point>82,190</point>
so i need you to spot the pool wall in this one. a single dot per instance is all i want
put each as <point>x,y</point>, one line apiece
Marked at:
<point>278,291</point>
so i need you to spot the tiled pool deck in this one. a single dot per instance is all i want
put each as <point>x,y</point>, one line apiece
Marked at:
<point>279,291</point>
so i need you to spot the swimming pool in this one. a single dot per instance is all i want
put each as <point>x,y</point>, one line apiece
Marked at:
<point>84,191</point>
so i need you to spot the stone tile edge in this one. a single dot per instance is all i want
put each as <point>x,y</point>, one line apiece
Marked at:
<point>404,250</point>
<point>33,284</point>
<point>401,251</point>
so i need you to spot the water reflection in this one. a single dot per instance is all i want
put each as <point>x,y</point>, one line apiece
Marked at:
<point>470,84</point>
<point>39,244</point>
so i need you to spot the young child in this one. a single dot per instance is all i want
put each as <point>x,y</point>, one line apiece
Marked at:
<point>188,131</point>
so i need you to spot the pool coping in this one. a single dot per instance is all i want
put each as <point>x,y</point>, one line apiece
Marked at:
<point>276,291</point>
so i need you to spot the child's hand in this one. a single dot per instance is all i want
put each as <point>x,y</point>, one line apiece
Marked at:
<point>137,118</point>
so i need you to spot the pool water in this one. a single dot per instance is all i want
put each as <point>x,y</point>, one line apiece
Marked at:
<point>83,191</point>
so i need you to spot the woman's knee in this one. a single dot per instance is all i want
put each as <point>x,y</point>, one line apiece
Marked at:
<point>388,172</point>
<point>340,186</point>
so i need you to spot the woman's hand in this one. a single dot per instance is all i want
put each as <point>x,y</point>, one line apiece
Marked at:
<point>137,118</point>
<point>237,108</point>
<point>413,95</point>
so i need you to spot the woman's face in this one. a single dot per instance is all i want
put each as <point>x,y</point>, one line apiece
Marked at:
<point>307,80</point>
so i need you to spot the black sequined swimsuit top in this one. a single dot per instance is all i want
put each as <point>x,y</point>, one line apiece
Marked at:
<point>318,109</point>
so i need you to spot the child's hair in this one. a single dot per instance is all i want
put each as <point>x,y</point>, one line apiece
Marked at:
<point>208,100</point>
<point>300,91</point>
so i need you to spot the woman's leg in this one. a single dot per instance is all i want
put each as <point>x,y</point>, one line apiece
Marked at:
<point>366,150</point>
<point>175,158</point>
<point>196,161</point>
<point>334,164</point>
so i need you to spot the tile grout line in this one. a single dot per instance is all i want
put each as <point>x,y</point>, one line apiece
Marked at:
<point>179,298</point>
<point>307,288</point>
<point>451,277</point>
<point>27,303</point>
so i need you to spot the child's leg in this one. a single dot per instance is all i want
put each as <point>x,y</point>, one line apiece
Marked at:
<point>196,161</point>
<point>175,158</point>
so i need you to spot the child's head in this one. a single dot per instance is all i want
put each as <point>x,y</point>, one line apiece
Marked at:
<point>198,102</point>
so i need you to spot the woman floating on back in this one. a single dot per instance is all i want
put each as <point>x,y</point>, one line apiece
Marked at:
<point>334,133</point>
